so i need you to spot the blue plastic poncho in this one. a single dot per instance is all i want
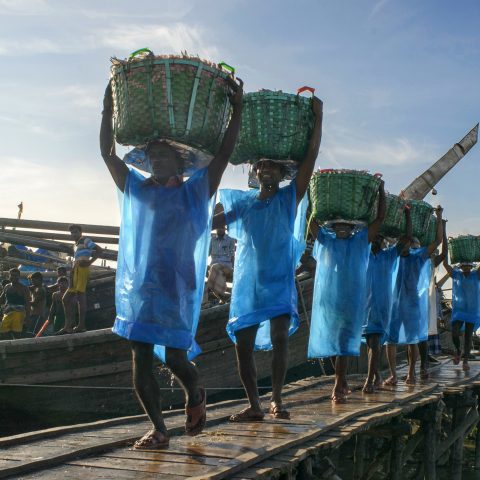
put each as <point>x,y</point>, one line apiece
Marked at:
<point>409,324</point>
<point>265,259</point>
<point>466,297</point>
<point>381,273</point>
<point>162,254</point>
<point>339,296</point>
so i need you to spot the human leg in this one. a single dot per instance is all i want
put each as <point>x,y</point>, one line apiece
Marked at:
<point>148,393</point>
<point>69,301</point>
<point>374,351</point>
<point>391,350</point>
<point>82,308</point>
<point>279,327</point>
<point>456,326</point>
<point>340,389</point>
<point>423,350</point>
<point>467,345</point>
<point>412,353</point>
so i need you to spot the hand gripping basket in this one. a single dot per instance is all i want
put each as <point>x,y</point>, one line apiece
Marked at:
<point>431,233</point>
<point>343,194</point>
<point>394,216</point>
<point>177,98</point>
<point>275,125</point>
<point>464,249</point>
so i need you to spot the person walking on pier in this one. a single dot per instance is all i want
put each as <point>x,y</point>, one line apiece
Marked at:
<point>465,305</point>
<point>263,309</point>
<point>338,307</point>
<point>163,249</point>
<point>409,324</point>
<point>381,273</point>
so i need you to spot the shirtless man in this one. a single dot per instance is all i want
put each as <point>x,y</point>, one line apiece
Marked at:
<point>56,316</point>
<point>38,303</point>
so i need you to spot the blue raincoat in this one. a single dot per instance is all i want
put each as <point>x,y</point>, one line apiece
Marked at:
<point>381,273</point>
<point>269,245</point>
<point>340,292</point>
<point>409,324</point>
<point>162,255</point>
<point>466,297</point>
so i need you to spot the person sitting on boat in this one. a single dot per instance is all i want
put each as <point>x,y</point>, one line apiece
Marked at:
<point>38,304</point>
<point>222,254</point>
<point>85,252</point>
<point>56,316</point>
<point>342,252</point>
<point>409,323</point>
<point>465,306</point>
<point>15,301</point>
<point>263,310</point>
<point>162,256</point>
<point>381,273</point>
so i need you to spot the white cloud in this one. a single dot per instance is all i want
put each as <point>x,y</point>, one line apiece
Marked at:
<point>29,46</point>
<point>78,95</point>
<point>24,7</point>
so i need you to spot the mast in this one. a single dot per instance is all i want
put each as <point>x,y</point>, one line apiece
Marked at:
<point>422,185</point>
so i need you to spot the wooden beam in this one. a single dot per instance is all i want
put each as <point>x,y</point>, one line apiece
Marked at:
<point>58,236</point>
<point>60,226</point>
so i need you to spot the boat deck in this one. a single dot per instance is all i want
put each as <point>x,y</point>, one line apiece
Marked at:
<point>268,449</point>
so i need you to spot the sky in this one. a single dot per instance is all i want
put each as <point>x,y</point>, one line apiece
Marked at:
<point>399,81</point>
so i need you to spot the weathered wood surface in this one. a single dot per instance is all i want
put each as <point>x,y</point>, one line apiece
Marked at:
<point>253,450</point>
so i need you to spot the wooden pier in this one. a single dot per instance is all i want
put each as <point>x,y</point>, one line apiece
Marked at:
<point>399,432</point>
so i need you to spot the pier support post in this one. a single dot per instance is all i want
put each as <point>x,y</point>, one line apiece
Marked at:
<point>396,456</point>
<point>476,389</point>
<point>359,456</point>
<point>459,411</point>
<point>428,424</point>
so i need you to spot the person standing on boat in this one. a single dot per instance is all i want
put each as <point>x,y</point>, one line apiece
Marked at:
<point>85,252</point>
<point>163,249</point>
<point>381,273</point>
<point>339,297</point>
<point>409,324</point>
<point>465,306</point>
<point>38,304</point>
<point>15,301</point>
<point>56,316</point>
<point>263,309</point>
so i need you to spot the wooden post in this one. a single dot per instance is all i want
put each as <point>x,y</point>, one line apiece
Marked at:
<point>459,413</point>
<point>359,456</point>
<point>396,455</point>
<point>476,389</point>
<point>428,424</point>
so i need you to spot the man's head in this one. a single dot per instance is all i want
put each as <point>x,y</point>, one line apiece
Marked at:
<point>269,173</point>
<point>165,160</point>
<point>62,283</point>
<point>221,232</point>
<point>14,274</point>
<point>36,278</point>
<point>61,272</point>
<point>466,268</point>
<point>343,230</point>
<point>75,231</point>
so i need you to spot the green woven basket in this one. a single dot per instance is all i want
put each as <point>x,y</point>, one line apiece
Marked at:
<point>394,216</point>
<point>343,194</point>
<point>430,234</point>
<point>275,125</point>
<point>464,249</point>
<point>420,214</point>
<point>176,98</point>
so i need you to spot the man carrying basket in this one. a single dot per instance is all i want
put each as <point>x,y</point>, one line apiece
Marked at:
<point>158,294</point>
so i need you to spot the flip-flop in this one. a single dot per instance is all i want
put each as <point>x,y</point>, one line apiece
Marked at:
<point>152,440</point>
<point>247,415</point>
<point>277,411</point>
<point>196,416</point>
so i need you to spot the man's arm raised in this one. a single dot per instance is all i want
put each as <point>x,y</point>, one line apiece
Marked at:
<point>117,168</point>
<point>446,265</point>
<point>219,163</point>
<point>374,227</point>
<point>306,167</point>
<point>438,238</point>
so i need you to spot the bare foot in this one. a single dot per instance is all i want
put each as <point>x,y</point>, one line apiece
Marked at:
<point>424,375</point>
<point>152,440</point>
<point>368,387</point>
<point>391,381</point>
<point>465,366</point>
<point>456,358</point>
<point>338,396</point>
<point>378,380</point>
<point>247,415</point>
<point>410,380</point>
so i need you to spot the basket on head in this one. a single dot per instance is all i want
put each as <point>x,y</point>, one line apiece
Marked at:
<point>430,234</point>
<point>177,98</point>
<point>275,126</point>
<point>420,214</point>
<point>464,249</point>
<point>343,194</point>
<point>394,216</point>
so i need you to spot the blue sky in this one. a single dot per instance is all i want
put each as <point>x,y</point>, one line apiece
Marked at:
<point>399,81</point>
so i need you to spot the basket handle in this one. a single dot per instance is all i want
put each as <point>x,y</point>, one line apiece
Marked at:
<point>306,89</point>
<point>228,67</point>
<point>139,52</point>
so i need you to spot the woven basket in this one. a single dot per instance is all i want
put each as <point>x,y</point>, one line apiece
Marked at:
<point>394,216</point>
<point>420,214</point>
<point>464,249</point>
<point>275,125</point>
<point>166,97</point>
<point>343,194</point>
<point>431,233</point>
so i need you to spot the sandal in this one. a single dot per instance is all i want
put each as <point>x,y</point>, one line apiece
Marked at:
<point>247,415</point>
<point>277,411</point>
<point>196,416</point>
<point>152,440</point>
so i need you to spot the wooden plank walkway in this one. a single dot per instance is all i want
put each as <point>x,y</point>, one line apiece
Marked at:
<point>224,450</point>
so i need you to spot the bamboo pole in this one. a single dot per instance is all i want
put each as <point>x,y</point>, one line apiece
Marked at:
<point>57,236</point>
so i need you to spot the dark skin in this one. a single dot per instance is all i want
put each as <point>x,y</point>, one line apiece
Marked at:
<point>16,287</point>
<point>412,350</point>
<point>166,163</point>
<point>269,175</point>
<point>467,270</point>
